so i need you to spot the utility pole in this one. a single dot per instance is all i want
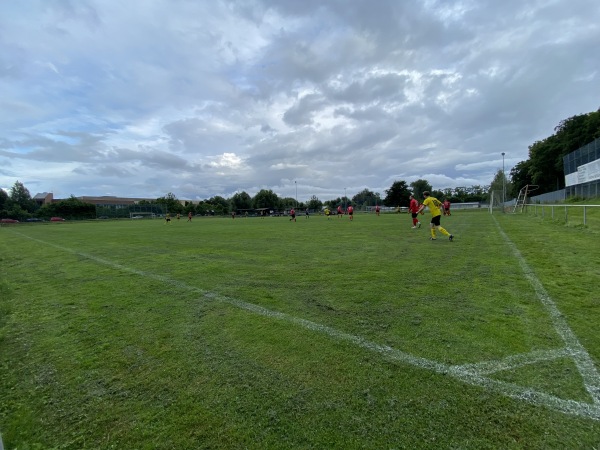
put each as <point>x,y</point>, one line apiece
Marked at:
<point>503,183</point>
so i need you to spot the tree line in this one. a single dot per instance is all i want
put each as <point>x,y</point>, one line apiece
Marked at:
<point>18,204</point>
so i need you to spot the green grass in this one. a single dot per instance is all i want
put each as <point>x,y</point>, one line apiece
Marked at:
<point>261,333</point>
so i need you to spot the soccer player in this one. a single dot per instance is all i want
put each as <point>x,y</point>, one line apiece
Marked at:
<point>340,211</point>
<point>413,207</point>
<point>306,213</point>
<point>327,213</point>
<point>434,206</point>
<point>293,214</point>
<point>377,209</point>
<point>446,207</point>
<point>189,216</point>
<point>351,212</point>
<point>168,219</point>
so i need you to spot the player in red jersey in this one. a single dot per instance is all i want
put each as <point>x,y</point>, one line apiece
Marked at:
<point>351,212</point>
<point>413,207</point>
<point>446,206</point>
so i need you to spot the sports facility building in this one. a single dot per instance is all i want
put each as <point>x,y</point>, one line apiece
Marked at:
<point>582,171</point>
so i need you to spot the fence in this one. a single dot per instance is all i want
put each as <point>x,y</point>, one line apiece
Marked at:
<point>586,215</point>
<point>556,196</point>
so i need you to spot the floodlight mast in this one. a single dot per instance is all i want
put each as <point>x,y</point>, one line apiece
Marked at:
<point>503,183</point>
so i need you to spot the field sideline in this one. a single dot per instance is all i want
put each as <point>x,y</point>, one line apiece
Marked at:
<point>263,333</point>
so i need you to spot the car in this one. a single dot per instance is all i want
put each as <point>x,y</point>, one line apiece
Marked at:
<point>56,219</point>
<point>137,217</point>
<point>9,221</point>
<point>103,217</point>
<point>33,219</point>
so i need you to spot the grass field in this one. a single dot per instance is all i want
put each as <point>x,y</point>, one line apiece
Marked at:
<point>263,333</point>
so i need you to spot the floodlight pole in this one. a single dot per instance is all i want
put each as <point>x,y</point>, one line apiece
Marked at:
<point>503,183</point>
<point>345,198</point>
<point>296,183</point>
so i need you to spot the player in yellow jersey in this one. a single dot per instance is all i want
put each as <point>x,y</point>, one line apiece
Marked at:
<point>434,206</point>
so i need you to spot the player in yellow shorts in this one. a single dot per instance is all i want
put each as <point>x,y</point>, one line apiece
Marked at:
<point>434,206</point>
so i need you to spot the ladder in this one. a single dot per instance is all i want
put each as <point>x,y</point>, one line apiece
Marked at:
<point>522,198</point>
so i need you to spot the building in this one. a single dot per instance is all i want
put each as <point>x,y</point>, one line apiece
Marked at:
<point>582,171</point>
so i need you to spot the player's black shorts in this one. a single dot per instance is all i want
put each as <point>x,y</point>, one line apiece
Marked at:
<point>436,220</point>
<point>414,215</point>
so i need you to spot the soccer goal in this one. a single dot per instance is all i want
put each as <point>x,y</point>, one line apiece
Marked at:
<point>142,215</point>
<point>496,204</point>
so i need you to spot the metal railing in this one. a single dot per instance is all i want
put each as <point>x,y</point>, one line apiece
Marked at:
<point>572,214</point>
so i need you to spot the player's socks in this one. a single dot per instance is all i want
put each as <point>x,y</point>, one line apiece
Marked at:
<point>443,231</point>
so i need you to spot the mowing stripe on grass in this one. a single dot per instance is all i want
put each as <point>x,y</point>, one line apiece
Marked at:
<point>462,373</point>
<point>582,359</point>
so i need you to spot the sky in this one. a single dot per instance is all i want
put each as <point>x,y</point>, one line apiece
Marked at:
<point>199,98</point>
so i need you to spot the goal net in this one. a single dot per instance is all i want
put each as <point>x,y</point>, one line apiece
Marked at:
<point>496,205</point>
<point>142,215</point>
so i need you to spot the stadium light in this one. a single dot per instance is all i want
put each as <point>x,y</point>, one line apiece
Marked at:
<point>296,183</point>
<point>503,183</point>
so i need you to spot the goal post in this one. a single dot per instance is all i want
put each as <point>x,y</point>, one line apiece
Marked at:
<point>142,215</point>
<point>496,205</point>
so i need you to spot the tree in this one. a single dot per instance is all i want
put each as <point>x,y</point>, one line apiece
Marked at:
<point>315,204</point>
<point>4,200</point>
<point>366,198</point>
<point>170,203</point>
<point>500,184</point>
<point>420,186</point>
<point>520,177</point>
<point>19,195</point>
<point>398,194</point>
<point>266,198</point>
<point>221,205</point>
<point>546,168</point>
<point>241,200</point>
<point>287,202</point>
<point>71,208</point>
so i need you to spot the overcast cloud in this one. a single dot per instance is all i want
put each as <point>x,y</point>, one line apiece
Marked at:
<point>140,98</point>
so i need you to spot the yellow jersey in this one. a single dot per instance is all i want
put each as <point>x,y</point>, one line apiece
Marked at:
<point>434,206</point>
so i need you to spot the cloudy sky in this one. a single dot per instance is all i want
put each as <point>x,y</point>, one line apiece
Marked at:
<point>140,98</point>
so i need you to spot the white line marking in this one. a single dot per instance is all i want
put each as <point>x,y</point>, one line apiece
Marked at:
<point>513,361</point>
<point>532,396</point>
<point>582,359</point>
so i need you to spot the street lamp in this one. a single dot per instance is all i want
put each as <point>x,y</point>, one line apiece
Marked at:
<point>503,183</point>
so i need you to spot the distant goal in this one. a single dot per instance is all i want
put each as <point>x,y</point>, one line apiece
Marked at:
<point>142,215</point>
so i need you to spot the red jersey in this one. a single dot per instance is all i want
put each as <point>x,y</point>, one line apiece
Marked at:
<point>414,205</point>
<point>446,204</point>
<point>340,210</point>
<point>350,209</point>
